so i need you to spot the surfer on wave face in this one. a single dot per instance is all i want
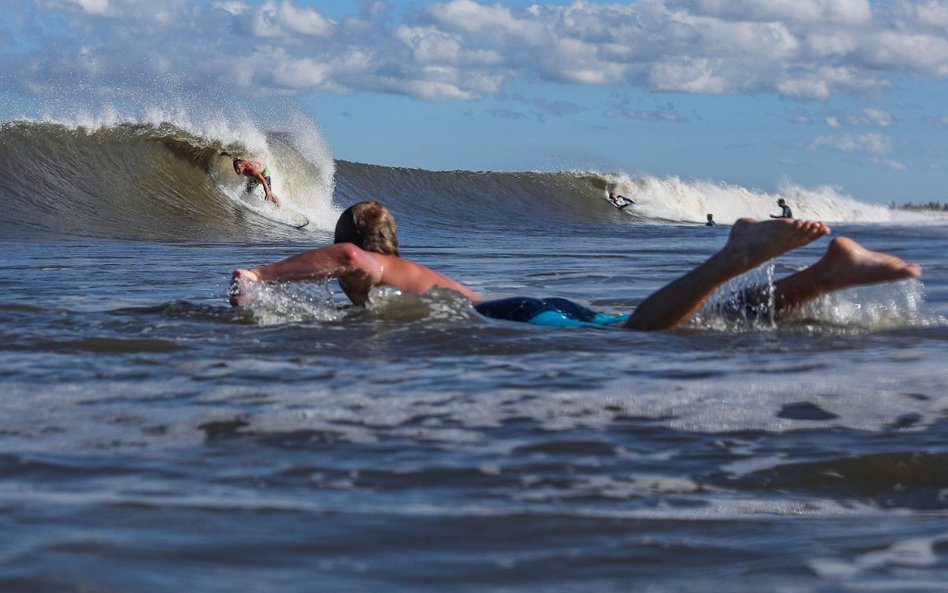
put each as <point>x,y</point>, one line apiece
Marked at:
<point>620,202</point>
<point>365,255</point>
<point>258,174</point>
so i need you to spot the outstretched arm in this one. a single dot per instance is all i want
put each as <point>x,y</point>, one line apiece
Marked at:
<point>358,272</point>
<point>342,260</point>
<point>267,191</point>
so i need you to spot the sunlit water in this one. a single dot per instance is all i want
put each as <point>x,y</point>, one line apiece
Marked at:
<point>154,439</point>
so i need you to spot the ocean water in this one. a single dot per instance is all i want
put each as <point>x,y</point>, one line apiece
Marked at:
<point>152,438</point>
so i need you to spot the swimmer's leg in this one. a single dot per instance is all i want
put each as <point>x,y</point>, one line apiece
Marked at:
<point>749,245</point>
<point>844,265</point>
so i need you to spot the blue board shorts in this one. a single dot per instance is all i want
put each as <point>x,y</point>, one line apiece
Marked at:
<point>551,312</point>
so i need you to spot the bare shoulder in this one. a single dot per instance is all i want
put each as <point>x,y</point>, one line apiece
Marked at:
<point>409,276</point>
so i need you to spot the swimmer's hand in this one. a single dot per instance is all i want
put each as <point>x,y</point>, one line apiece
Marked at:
<point>239,282</point>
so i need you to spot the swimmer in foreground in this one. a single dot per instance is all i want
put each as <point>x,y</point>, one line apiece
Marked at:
<point>365,255</point>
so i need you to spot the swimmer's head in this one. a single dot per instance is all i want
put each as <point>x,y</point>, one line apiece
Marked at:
<point>781,202</point>
<point>237,163</point>
<point>370,226</point>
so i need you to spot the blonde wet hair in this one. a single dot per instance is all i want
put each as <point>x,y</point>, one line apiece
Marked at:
<point>368,225</point>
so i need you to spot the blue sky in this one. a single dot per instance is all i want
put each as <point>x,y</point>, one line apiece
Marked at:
<point>758,93</point>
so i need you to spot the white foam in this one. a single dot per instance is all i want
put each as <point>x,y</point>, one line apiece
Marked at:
<point>674,199</point>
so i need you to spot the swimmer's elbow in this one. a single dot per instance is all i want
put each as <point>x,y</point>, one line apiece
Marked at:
<point>347,254</point>
<point>351,259</point>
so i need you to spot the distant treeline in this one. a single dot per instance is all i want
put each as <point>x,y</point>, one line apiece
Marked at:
<point>926,206</point>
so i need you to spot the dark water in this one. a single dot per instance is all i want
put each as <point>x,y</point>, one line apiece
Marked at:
<point>154,439</point>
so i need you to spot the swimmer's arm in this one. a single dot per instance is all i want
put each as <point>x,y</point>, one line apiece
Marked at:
<point>333,261</point>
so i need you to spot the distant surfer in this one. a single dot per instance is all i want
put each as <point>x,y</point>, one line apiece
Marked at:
<point>710,220</point>
<point>785,211</point>
<point>258,174</point>
<point>365,255</point>
<point>619,201</point>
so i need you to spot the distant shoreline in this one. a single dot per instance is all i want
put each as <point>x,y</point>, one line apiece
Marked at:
<point>934,206</point>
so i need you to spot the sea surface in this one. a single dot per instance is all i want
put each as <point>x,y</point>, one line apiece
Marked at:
<point>153,439</point>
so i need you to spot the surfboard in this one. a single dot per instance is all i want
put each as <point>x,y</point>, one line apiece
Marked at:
<point>271,211</point>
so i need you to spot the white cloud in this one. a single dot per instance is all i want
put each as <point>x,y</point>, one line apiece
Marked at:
<point>852,12</point>
<point>876,146</point>
<point>299,21</point>
<point>429,45</point>
<point>931,13</point>
<point>876,117</point>
<point>302,74</point>
<point>495,22</point>
<point>920,52</point>
<point>234,8</point>
<point>100,7</point>
<point>692,76</point>
<point>810,87</point>
<point>465,49</point>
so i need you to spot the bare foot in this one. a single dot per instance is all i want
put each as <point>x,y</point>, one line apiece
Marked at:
<point>239,283</point>
<point>752,243</point>
<point>749,245</point>
<point>848,263</point>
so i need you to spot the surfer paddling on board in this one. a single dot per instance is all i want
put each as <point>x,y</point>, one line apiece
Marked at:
<point>620,202</point>
<point>365,255</point>
<point>258,174</point>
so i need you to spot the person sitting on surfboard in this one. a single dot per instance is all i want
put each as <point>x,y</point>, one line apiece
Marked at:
<point>620,202</point>
<point>710,220</point>
<point>258,174</point>
<point>785,211</point>
<point>365,254</point>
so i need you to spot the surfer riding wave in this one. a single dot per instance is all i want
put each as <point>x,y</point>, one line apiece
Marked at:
<point>257,174</point>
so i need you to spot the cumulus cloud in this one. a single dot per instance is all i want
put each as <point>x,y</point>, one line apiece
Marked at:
<point>466,49</point>
<point>876,146</point>
<point>864,118</point>
<point>847,12</point>
<point>874,117</point>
